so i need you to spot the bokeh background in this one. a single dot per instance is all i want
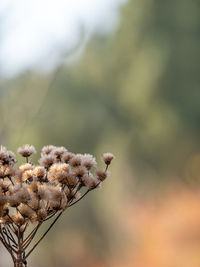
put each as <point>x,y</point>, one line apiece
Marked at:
<point>118,76</point>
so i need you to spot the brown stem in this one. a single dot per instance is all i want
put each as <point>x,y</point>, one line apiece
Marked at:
<point>43,235</point>
<point>18,264</point>
<point>11,180</point>
<point>12,237</point>
<point>84,195</point>
<point>19,261</point>
<point>31,233</point>
<point>7,246</point>
<point>27,243</point>
<point>4,232</point>
<point>73,196</point>
<point>50,216</point>
<point>80,198</point>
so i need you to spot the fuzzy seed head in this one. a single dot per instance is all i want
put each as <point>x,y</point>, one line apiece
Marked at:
<point>75,160</point>
<point>107,158</point>
<point>46,150</point>
<point>88,161</point>
<point>101,175</point>
<point>47,160</point>
<point>26,167</point>
<point>66,157</point>
<point>26,151</point>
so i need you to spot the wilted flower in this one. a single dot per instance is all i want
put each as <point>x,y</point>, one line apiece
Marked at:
<point>6,157</point>
<point>31,195</point>
<point>108,157</point>
<point>47,160</point>
<point>47,150</point>
<point>66,156</point>
<point>26,151</point>
<point>101,175</point>
<point>40,173</point>
<point>88,161</point>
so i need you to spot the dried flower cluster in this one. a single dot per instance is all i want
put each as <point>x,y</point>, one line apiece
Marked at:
<point>32,194</point>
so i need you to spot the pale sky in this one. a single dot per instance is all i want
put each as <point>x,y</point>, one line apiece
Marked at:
<point>34,32</point>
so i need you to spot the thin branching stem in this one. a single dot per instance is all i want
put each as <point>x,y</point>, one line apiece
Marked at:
<point>8,239</point>
<point>31,234</point>
<point>80,198</point>
<point>12,237</point>
<point>50,216</point>
<point>25,246</point>
<point>52,224</point>
<point>8,247</point>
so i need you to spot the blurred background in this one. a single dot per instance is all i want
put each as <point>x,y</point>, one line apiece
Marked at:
<point>119,76</point>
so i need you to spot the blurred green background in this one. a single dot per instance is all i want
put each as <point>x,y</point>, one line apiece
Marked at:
<point>135,93</point>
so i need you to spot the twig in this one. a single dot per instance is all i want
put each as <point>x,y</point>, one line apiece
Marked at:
<point>43,235</point>
<point>25,246</point>
<point>12,237</point>
<point>50,216</point>
<point>80,198</point>
<point>29,236</point>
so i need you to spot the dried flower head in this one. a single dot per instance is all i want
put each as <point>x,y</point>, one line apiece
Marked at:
<point>41,173</point>
<point>66,156</point>
<point>47,150</point>
<point>18,219</point>
<point>26,167</point>
<point>107,158</point>
<point>6,171</point>
<point>31,195</point>
<point>26,151</point>
<point>58,152</point>
<point>75,160</point>
<point>88,161</point>
<point>90,181</point>
<point>6,157</point>
<point>47,160</point>
<point>79,172</point>
<point>101,175</point>
<point>59,167</point>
